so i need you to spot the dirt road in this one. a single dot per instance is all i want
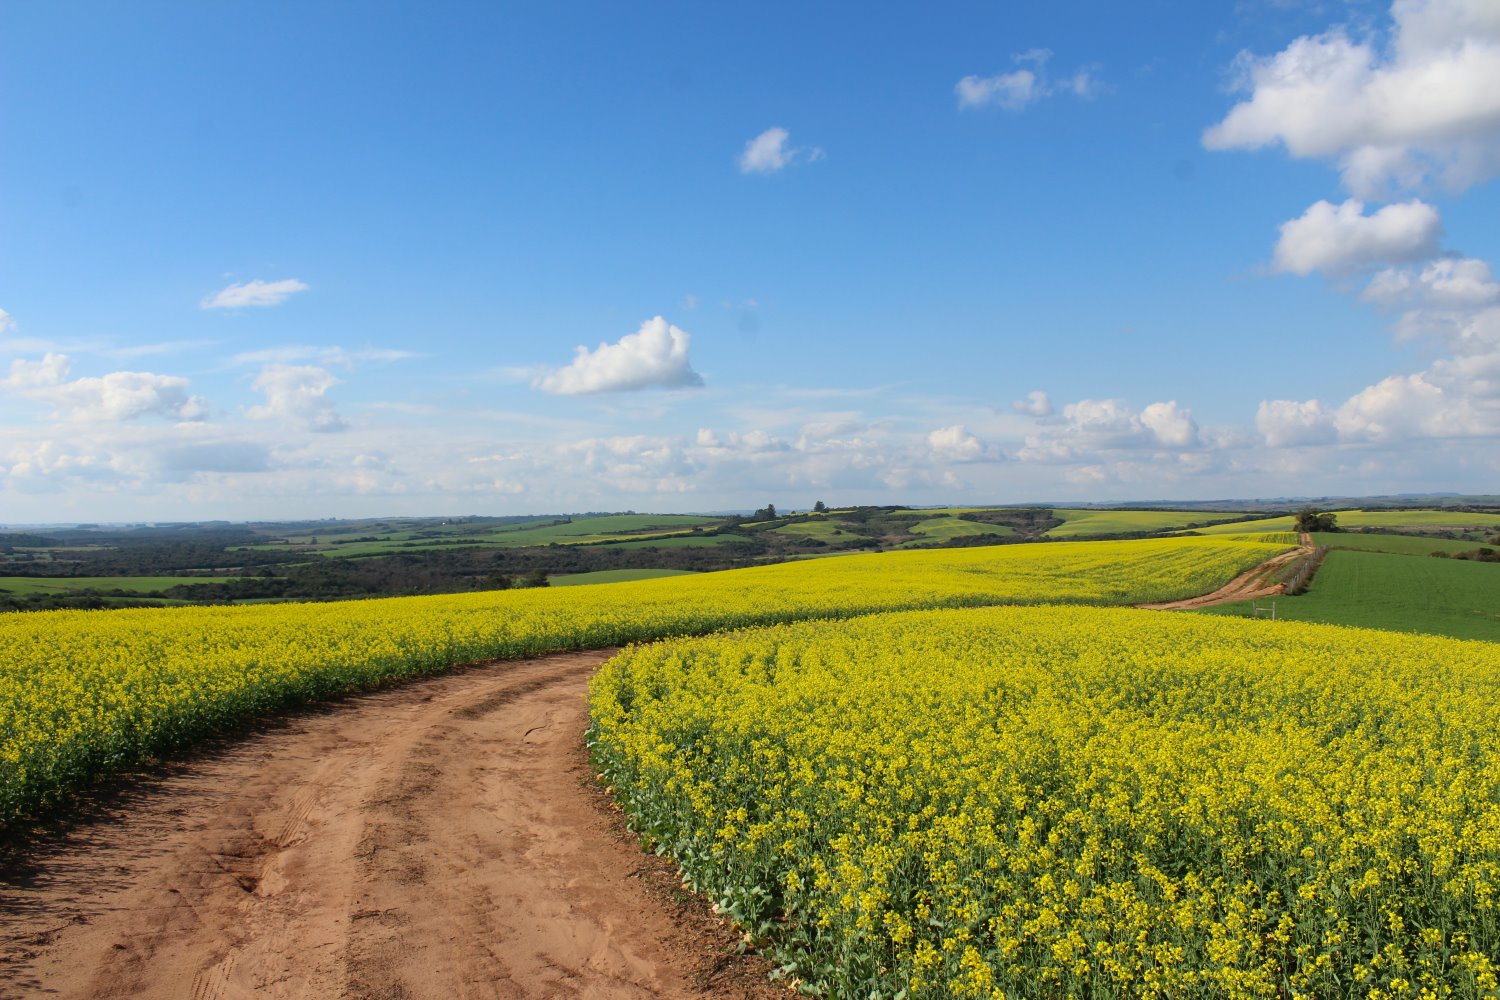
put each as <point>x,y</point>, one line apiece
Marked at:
<point>1256,582</point>
<point>441,839</point>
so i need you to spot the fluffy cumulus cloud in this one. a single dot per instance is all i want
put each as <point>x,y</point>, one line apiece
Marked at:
<point>7,324</point>
<point>1338,239</point>
<point>772,151</point>
<point>1285,422</point>
<point>1421,107</point>
<point>298,395</point>
<point>1425,106</point>
<point>1450,302</point>
<point>255,293</point>
<point>1022,87</point>
<point>955,444</point>
<point>655,356</point>
<point>1010,91</point>
<point>1094,427</point>
<point>1170,425</point>
<point>1037,404</point>
<point>1449,282</point>
<point>118,395</point>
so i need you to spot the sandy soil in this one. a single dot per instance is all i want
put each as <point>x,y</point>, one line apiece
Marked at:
<point>1252,584</point>
<point>440,839</point>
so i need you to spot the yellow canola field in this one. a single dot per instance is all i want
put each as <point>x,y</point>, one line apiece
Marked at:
<point>86,692</point>
<point>1077,802</point>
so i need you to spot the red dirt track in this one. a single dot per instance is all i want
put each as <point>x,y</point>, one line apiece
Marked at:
<point>439,839</point>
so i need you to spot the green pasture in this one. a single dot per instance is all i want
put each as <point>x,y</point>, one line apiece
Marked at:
<point>1287,523</point>
<point>680,542</point>
<point>1109,522</point>
<point>1399,593</point>
<point>828,531</point>
<point>1409,545</point>
<point>943,527</point>
<point>615,576</point>
<point>608,527</point>
<point>1410,520</point>
<point>1415,519</point>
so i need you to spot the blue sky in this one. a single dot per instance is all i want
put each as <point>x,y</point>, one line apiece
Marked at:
<point>262,260</point>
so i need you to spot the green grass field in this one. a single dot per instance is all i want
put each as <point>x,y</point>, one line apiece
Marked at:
<point>608,527</point>
<point>1106,522</point>
<point>681,541</point>
<point>1406,519</point>
<point>596,529</point>
<point>615,576</point>
<point>1412,519</point>
<point>1287,523</point>
<point>828,531</point>
<point>1399,593</point>
<point>68,584</point>
<point>945,526</point>
<point>1408,545</point>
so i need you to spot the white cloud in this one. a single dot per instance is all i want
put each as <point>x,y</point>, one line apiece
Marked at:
<point>1285,423</point>
<point>297,394</point>
<point>254,293</point>
<point>954,444</point>
<point>321,355</point>
<point>1090,427</point>
<point>1453,398</point>
<point>1339,239</point>
<point>1425,107</point>
<point>7,324</point>
<point>1454,282</point>
<point>1020,88</point>
<point>1454,301</point>
<point>772,151</point>
<point>1083,84</point>
<point>1170,424</point>
<point>114,396</point>
<point>767,152</point>
<point>1010,91</point>
<point>26,376</point>
<point>1037,403</point>
<point>655,356</point>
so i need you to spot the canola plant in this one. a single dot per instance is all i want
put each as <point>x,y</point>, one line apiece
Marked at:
<point>84,693</point>
<point>1076,802</point>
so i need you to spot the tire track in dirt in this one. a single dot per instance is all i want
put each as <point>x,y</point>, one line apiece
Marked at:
<point>1254,583</point>
<point>440,839</point>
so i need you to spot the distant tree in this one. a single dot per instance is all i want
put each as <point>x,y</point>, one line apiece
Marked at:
<point>766,513</point>
<point>535,578</point>
<point>1312,519</point>
<point>820,508</point>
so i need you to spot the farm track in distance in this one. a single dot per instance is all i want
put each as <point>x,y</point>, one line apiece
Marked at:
<point>1256,582</point>
<point>443,838</point>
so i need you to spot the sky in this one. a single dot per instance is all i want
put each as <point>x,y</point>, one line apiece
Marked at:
<point>272,260</point>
